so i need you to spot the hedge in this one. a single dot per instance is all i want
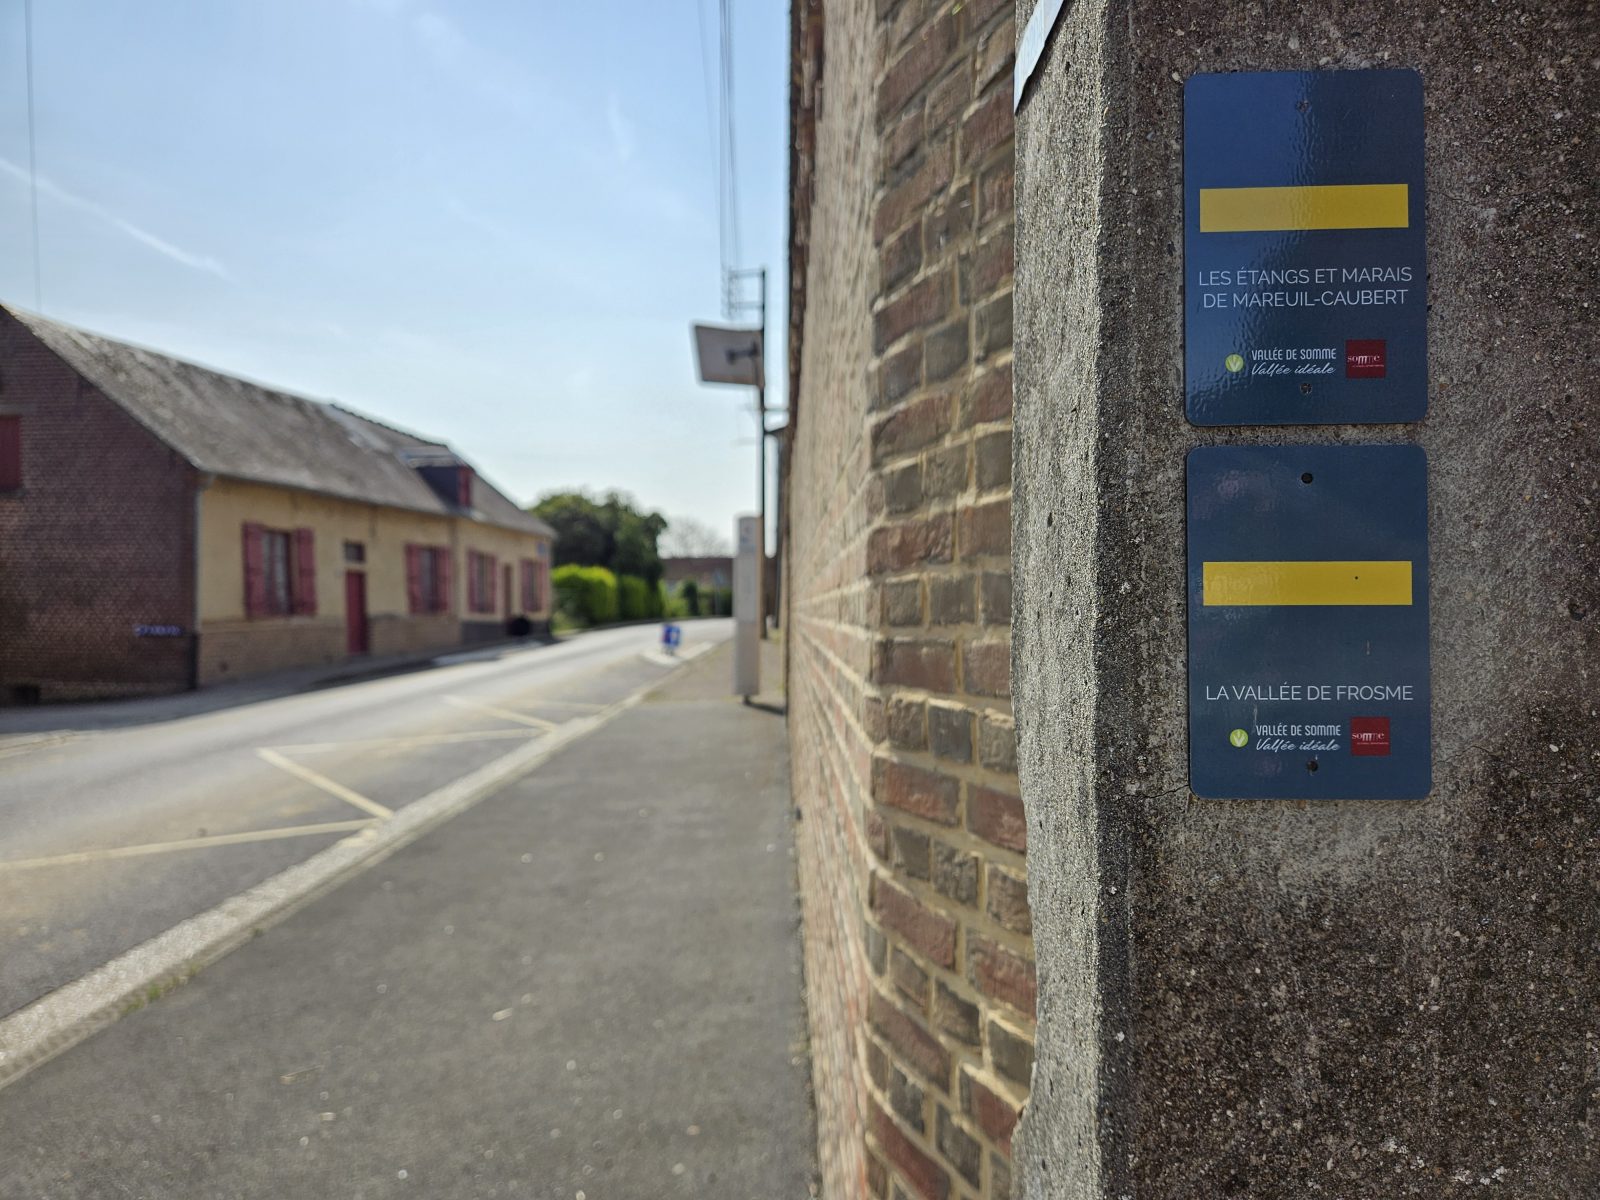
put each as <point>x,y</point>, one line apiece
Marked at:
<point>586,595</point>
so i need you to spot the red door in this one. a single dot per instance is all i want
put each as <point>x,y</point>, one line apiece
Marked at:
<point>355,612</point>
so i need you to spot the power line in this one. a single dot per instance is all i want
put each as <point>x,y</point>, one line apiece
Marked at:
<point>33,153</point>
<point>711,119</point>
<point>728,162</point>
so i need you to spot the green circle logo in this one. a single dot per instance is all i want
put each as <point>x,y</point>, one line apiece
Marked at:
<point>1234,363</point>
<point>1239,738</point>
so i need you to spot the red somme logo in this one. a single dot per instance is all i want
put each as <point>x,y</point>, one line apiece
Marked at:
<point>1369,736</point>
<point>1365,358</point>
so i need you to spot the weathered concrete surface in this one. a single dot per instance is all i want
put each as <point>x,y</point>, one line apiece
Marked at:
<point>1350,999</point>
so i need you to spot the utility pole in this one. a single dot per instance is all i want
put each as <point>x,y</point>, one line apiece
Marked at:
<point>735,305</point>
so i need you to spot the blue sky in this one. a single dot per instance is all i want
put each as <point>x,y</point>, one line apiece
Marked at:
<point>488,220</point>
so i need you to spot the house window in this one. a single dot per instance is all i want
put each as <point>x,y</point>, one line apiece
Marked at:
<point>428,579</point>
<point>480,582</point>
<point>355,552</point>
<point>280,572</point>
<point>535,577</point>
<point>10,454</point>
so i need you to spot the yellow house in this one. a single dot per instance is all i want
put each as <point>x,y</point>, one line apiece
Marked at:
<point>272,530</point>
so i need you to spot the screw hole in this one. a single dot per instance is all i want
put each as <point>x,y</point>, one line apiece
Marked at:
<point>1312,765</point>
<point>1306,478</point>
<point>1305,389</point>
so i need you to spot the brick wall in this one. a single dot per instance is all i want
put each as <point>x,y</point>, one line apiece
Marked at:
<point>919,963</point>
<point>99,539</point>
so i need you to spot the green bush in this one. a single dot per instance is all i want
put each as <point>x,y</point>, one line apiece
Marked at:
<point>635,600</point>
<point>686,602</point>
<point>586,595</point>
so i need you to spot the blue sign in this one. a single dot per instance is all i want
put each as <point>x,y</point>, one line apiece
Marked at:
<point>1308,623</point>
<point>671,636</point>
<point>1305,268</point>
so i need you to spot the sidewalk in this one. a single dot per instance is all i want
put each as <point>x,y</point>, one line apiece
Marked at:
<point>588,984</point>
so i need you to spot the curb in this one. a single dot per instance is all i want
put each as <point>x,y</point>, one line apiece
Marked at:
<point>59,1020</point>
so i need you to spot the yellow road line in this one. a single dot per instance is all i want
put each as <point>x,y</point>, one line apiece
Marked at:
<point>503,713</point>
<point>1340,206</point>
<point>197,843</point>
<point>323,782</point>
<point>421,739</point>
<point>1249,584</point>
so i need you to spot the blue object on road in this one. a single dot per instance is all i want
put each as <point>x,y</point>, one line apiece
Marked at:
<point>671,636</point>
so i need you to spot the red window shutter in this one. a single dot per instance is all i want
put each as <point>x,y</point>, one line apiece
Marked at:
<point>472,581</point>
<point>443,560</point>
<point>494,585</point>
<point>464,486</point>
<point>544,587</point>
<point>255,573</point>
<point>413,578</point>
<point>305,573</point>
<point>527,585</point>
<point>447,599</point>
<point>10,453</point>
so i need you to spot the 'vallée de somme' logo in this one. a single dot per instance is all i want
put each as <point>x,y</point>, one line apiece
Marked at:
<point>1365,358</point>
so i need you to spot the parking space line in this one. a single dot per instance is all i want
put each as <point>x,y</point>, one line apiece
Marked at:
<point>420,739</point>
<point>323,782</point>
<point>503,713</point>
<point>196,843</point>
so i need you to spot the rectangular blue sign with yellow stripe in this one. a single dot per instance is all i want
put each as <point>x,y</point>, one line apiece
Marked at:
<point>1305,267</point>
<point>1308,623</point>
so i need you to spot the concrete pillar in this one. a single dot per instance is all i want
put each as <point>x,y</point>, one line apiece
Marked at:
<point>1345,999</point>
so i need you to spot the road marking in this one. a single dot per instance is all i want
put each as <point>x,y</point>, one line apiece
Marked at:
<point>420,739</point>
<point>61,1019</point>
<point>326,784</point>
<point>195,843</point>
<point>503,713</point>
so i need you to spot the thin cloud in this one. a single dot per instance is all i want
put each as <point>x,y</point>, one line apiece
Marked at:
<point>196,262</point>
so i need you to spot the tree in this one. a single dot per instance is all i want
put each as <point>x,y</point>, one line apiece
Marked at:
<point>688,538</point>
<point>607,531</point>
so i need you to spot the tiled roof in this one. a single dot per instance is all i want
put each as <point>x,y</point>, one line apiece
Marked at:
<point>232,427</point>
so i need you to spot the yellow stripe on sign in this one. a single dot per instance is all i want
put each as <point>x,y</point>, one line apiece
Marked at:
<point>1246,584</point>
<point>1341,206</point>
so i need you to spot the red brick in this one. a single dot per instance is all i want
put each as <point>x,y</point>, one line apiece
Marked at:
<point>878,836</point>
<point>991,264</point>
<point>918,663</point>
<point>992,1112</point>
<point>915,543</point>
<point>991,395</point>
<point>920,62</point>
<point>922,304</point>
<point>926,1177</point>
<point>930,933</point>
<point>1003,974</point>
<point>1007,900</point>
<point>997,817</point>
<point>911,428</point>
<point>909,197</point>
<point>986,127</point>
<point>913,1045</point>
<point>987,668</point>
<point>986,529</point>
<point>915,790</point>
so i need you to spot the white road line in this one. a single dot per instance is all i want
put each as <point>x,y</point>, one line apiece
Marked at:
<point>420,739</point>
<point>61,1019</point>
<point>195,843</point>
<point>326,784</point>
<point>504,714</point>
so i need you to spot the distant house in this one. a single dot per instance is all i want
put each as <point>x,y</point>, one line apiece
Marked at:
<point>164,526</point>
<point>707,571</point>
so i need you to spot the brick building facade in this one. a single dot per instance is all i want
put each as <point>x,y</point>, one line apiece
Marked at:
<point>919,961</point>
<point>163,526</point>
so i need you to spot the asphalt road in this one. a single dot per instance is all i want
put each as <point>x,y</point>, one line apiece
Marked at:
<point>586,985</point>
<point>129,819</point>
